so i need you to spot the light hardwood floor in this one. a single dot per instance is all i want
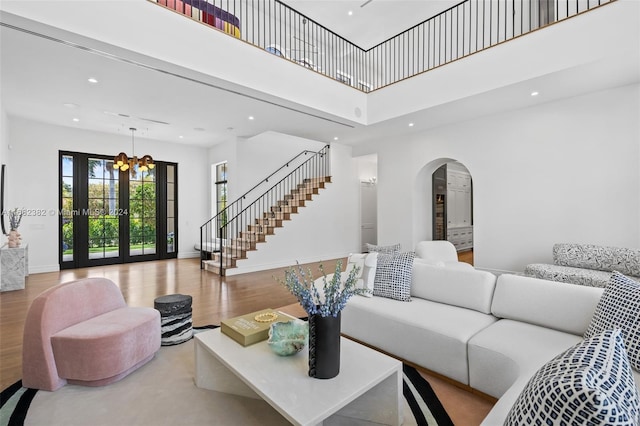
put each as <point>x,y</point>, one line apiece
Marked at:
<point>214,298</point>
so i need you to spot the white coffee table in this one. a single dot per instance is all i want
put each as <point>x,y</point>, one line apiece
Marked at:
<point>369,386</point>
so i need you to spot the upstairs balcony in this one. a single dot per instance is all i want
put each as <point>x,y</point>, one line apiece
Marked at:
<point>459,31</point>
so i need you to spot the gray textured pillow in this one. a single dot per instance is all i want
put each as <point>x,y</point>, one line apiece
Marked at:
<point>393,249</point>
<point>619,307</point>
<point>393,276</point>
<point>591,383</point>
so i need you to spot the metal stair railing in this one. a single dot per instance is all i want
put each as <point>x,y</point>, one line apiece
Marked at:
<point>237,228</point>
<point>461,30</point>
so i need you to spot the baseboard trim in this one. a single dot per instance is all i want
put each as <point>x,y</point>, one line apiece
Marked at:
<point>43,268</point>
<point>284,263</point>
<point>188,254</point>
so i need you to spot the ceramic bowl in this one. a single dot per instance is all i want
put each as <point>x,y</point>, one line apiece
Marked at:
<point>288,338</point>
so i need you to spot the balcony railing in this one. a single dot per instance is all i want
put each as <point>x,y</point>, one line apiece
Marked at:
<point>463,29</point>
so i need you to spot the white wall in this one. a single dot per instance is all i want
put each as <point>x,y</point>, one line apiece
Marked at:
<point>564,171</point>
<point>263,154</point>
<point>33,181</point>
<point>4,135</point>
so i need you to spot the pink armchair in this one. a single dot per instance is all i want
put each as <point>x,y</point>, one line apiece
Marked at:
<point>82,332</point>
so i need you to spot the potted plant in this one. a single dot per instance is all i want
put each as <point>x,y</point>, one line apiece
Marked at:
<point>323,299</point>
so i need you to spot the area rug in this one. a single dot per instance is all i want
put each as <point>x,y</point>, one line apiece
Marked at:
<point>163,392</point>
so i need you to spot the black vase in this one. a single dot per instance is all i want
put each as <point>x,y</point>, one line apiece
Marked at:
<point>324,346</point>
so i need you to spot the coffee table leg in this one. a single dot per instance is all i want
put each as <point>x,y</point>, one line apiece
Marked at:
<point>213,375</point>
<point>381,404</point>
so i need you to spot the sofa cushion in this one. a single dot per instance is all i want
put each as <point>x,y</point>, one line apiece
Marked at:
<point>619,307</point>
<point>507,350</point>
<point>559,306</point>
<point>391,249</point>
<point>590,383</point>
<point>436,251</point>
<point>467,288</point>
<point>106,345</point>
<point>600,258</point>
<point>393,276</point>
<point>430,334</point>
<point>568,274</point>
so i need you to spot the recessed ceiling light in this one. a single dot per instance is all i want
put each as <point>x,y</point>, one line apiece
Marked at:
<point>251,117</point>
<point>335,138</point>
<point>410,124</point>
<point>535,93</point>
<point>181,137</point>
<point>70,105</point>
<point>76,119</point>
<point>92,80</point>
<point>350,12</point>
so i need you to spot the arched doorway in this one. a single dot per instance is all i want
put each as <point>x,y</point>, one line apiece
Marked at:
<point>444,205</point>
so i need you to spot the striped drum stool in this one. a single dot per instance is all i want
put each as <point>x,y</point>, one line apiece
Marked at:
<point>175,318</point>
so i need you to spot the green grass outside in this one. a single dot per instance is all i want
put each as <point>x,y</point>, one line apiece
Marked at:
<point>112,248</point>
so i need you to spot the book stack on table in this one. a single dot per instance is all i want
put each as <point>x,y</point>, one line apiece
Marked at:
<point>252,328</point>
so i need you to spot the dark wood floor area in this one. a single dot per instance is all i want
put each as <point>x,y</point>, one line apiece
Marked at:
<point>214,298</point>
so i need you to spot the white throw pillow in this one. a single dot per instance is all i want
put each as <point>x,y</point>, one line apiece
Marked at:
<point>367,263</point>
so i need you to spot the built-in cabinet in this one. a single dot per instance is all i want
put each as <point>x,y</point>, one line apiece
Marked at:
<point>453,206</point>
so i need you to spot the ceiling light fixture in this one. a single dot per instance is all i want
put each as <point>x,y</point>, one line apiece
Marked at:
<point>350,13</point>
<point>251,117</point>
<point>410,124</point>
<point>535,93</point>
<point>92,80</point>
<point>75,119</point>
<point>123,163</point>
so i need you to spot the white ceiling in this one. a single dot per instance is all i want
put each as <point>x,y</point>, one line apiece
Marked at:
<point>161,106</point>
<point>39,76</point>
<point>371,21</point>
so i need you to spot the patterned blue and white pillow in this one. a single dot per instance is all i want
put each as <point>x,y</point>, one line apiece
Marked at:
<point>591,383</point>
<point>393,249</point>
<point>619,307</point>
<point>393,276</point>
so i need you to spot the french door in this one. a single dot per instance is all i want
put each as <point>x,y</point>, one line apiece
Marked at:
<point>108,216</point>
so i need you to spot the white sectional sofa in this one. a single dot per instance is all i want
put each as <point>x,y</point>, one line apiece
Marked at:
<point>490,334</point>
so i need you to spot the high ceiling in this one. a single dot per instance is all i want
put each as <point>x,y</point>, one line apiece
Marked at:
<point>128,96</point>
<point>44,80</point>
<point>367,23</point>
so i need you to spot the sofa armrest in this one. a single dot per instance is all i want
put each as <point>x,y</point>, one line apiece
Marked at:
<point>599,258</point>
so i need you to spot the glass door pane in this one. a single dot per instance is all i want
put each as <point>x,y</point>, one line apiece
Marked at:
<point>142,212</point>
<point>103,210</point>
<point>171,208</point>
<point>66,211</point>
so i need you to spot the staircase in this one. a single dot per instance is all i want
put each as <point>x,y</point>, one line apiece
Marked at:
<point>237,230</point>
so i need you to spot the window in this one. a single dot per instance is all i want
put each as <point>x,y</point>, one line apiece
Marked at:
<point>221,187</point>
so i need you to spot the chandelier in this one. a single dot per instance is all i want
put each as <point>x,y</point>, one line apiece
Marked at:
<point>123,163</point>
